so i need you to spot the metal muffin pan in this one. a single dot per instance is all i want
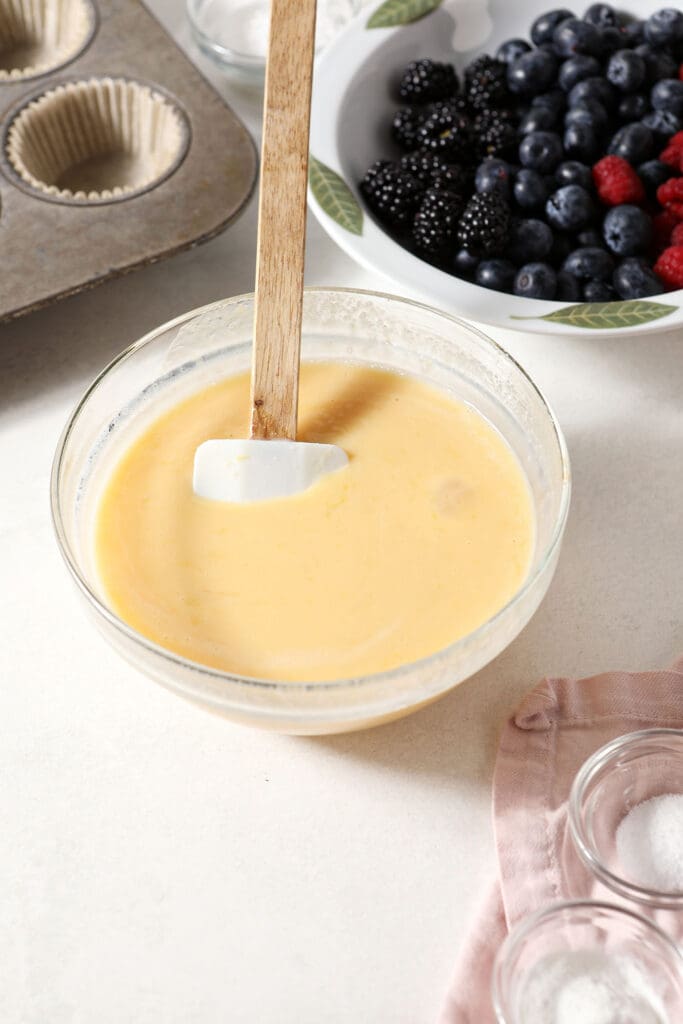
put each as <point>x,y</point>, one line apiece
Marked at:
<point>121,158</point>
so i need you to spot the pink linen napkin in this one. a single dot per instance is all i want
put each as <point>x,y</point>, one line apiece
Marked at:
<point>557,726</point>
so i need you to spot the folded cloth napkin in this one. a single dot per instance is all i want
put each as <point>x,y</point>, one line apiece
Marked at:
<point>558,725</point>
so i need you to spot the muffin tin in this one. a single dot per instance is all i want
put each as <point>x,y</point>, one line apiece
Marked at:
<point>114,150</point>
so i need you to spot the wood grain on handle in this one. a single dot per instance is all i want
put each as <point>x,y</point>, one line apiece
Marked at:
<point>282,220</point>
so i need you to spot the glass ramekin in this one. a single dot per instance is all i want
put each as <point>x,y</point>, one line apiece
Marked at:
<point>221,32</point>
<point>618,777</point>
<point>213,342</point>
<point>583,927</point>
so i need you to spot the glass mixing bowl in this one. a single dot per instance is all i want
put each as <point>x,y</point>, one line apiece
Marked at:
<point>213,342</point>
<point>630,770</point>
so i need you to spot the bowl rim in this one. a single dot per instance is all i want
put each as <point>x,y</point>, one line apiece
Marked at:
<point>353,49</point>
<point>523,928</point>
<point>321,686</point>
<point>592,766</point>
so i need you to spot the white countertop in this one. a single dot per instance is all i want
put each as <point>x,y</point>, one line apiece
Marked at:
<point>159,865</point>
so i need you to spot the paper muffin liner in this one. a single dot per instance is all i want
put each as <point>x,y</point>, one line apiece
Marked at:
<point>96,140</point>
<point>37,36</point>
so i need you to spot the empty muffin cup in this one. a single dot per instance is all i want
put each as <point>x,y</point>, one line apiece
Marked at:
<point>37,36</point>
<point>96,141</point>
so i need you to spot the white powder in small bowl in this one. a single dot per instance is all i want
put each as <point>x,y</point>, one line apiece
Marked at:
<point>589,987</point>
<point>650,843</point>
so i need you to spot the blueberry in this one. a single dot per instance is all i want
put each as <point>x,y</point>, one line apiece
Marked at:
<point>590,112</point>
<point>633,142</point>
<point>663,123</point>
<point>611,40</point>
<point>595,88</point>
<point>582,142</point>
<point>544,26</point>
<point>574,36</point>
<point>570,208</point>
<point>633,107</point>
<point>537,119</point>
<point>541,151</point>
<point>634,279</point>
<point>562,246</point>
<point>532,73</point>
<point>536,281</point>
<point>568,288</point>
<point>576,69</point>
<point>590,263</point>
<point>633,32</point>
<point>664,27</point>
<point>654,173</point>
<point>601,15</point>
<point>627,230</point>
<point>590,238</point>
<point>668,95</point>
<point>627,70</point>
<point>496,274</point>
<point>530,190</point>
<point>573,172</point>
<point>530,240</point>
<point>554,99</point>
<point>511,50</point>
<point>493,175</point>
<point>598,291</point>
<point>658,63</point>
<point>464,263</point>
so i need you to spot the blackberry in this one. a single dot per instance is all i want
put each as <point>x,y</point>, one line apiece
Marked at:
<point>404,126</point>
<point>494,134</point>
<point>426,80</point>
<point>484,227</point>
<point>391,193</point>
<point>446,132</point>
<point>429,167</point>
<point>436,221</point>
<point>485,83</point>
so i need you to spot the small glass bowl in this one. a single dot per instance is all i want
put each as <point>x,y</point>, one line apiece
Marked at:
<point>622,774</point>
<point>234,33</point>
<point>214,342</point>
<point>584,930</point>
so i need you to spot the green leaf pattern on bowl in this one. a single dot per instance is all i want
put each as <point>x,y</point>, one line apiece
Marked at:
<point>401,12</point>
<point>335,197</point>
<point>597,316</point>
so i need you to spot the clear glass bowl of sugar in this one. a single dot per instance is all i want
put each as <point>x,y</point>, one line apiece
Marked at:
<point>626,816</point>
<point>585,962</point>
<point>234,33</point>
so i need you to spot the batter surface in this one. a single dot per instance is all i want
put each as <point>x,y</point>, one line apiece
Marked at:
<point>422,537</point>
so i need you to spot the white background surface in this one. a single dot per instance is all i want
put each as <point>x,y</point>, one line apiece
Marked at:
<point>158,864</point>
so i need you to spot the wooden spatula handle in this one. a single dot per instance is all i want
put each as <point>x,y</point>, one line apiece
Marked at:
<point>282,220</point>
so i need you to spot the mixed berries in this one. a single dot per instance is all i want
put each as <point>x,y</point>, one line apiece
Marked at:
<point>551,170</point>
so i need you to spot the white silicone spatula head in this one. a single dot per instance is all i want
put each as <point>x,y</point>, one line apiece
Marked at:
<point>273,463</point>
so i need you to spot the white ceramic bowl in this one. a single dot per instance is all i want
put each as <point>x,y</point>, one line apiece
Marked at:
<point>352,104</point>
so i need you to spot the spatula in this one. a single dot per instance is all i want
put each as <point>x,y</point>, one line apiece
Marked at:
<point>272,463</point>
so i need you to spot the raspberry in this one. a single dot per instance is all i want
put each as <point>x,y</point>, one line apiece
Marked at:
<point>617,182</point>
<point>671,193</point>
<point>662,227</point>
<point>672,156</point>
<point>677,234</point>
<point>673,153</point>
<point>669,266</point>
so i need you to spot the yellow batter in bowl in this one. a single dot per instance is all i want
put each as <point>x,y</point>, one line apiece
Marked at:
<point>424,535</point>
